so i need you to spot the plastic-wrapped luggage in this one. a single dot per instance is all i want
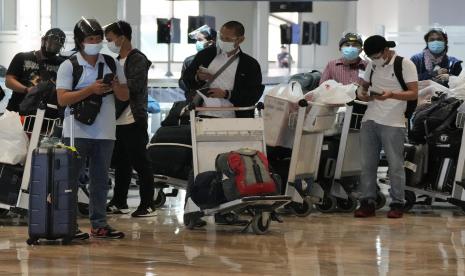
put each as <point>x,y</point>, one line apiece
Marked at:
<point>10,183</point>
<point>170,151</point>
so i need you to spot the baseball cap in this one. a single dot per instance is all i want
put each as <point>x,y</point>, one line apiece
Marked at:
<point>375,44</point>
<point>350,37</point>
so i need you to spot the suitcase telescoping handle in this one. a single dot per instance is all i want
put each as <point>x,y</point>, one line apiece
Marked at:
<point>71,125</point>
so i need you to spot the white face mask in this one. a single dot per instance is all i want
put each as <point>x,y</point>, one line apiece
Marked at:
<point>112,47</point>
<point>378,62</point>
<point>92,49</point>
<point>225,47</point>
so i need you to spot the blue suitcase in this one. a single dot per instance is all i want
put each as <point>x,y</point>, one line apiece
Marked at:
<point>53,188</point>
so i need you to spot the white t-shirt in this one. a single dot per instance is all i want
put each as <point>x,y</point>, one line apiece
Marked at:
<point>389,112</point>
<point>126,117</point>
<point>224,81</point>
<point>104,126</point>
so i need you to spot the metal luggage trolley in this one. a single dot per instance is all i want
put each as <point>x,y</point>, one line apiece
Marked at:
<point>212,136</point>
<point>306,153</point>
<point>458,190</point>
<point>348,167</point>
<point>37,127</point>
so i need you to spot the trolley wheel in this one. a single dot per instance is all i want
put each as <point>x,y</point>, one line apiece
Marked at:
<point>328,205</point>
<point>160,200</point>
<point>260,224</point>
<point>66,241</point>
<point>83,208</point>
<point>380,200</point>
<point>302,209</point>
<point>347,205</point>
<point>231,218</point>
<point>32,241</point>
<point>410,200</point>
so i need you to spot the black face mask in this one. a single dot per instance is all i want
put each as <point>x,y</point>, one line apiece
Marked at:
<point>46,53</point>
<point>51,48</point>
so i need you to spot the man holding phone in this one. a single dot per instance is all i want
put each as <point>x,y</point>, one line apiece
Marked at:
<point>384,123</point>
<point>231,75</point>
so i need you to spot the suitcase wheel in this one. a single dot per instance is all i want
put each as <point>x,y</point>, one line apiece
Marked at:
<point>32,241</point>
<point>410,200</point>
<point>260,223</point>
<point>160,200</point>
<point>328,204</point>
<point>380,200</point>
<point>347,205</point>
<point>302,209</point>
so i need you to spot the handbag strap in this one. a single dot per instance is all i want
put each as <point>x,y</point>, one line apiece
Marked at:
<point>221,70</point>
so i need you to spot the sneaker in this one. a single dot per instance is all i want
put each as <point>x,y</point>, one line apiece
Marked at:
<point>106,233</point>
<point>397,211</point>
<point>365,210</point>
<point>81,235</point>
<point>117,210</point>
<point>143,212</point>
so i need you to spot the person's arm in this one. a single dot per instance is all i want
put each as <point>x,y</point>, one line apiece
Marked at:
<point>15,69</point>
<point>190,77</point>
<point>362,91</point>
<point>119,86</point>
<point>136,75</point>
<point>253,87</point>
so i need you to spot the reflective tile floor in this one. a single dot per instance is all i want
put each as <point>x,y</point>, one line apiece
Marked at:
<point>426,242</point>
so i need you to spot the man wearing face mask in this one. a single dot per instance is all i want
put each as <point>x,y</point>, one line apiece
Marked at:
<point>206,37</point>
<point>434,63</point>
<point>131,125</point>
<point>240,82</point>
<point>27,69</point>
<point>346,70</point>
<point>94,142</point>
<point>384,122</point>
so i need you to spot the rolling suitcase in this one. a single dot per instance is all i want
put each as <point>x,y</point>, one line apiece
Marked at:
<point>10,183</point>
<point>53,193</point>
<point>416,164</point>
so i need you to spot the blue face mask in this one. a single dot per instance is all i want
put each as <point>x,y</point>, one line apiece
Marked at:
<point>350,53</point>
<point>199,45</point>
<point>436,46</point>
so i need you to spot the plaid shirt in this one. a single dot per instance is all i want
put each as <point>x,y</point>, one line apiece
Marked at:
<point>342,73</point>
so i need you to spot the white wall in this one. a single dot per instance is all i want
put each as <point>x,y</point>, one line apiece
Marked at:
<point>68,12</point>
<point>8,20</point>
<point>340,17</point>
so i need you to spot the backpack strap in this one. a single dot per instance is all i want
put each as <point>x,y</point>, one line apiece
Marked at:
<point>77,70</point>
<point>398,72</point>
<point>110,61</point>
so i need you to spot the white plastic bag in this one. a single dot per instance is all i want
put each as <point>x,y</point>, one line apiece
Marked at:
<point>13,139</point>
<point>279,103</point>
<point>332,92</point>
<point>427,89</point>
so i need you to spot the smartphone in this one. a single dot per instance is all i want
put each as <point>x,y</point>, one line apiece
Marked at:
<point>204,90</point>
<point>108,78</point>
<point>376,93</point>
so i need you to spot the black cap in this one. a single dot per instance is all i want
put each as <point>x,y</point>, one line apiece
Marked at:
<point>351,37</point>
<point>376,44</point>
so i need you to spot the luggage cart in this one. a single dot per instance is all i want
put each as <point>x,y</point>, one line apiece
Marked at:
<point>38,126</point>
<point>348,167</point>
<point>212,136</point>
<point>305,157</point>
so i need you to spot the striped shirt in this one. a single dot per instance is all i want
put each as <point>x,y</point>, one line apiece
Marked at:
<point>343,73</point>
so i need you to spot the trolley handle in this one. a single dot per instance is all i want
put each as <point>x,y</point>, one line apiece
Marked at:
<point>357,102</point>
<point>305,103</point>
<point>218,109</point>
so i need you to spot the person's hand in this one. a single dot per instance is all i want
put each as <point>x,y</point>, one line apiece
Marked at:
<point>99,88</point>
<point>204,75</point>
<point>386,95</point>
<point>115,83</point>
<point>442,78</point>
<point>216,93</point>
<point>442,71</point>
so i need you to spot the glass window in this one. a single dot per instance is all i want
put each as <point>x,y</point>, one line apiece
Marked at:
<point>274,35</point>
<point>150,11</point>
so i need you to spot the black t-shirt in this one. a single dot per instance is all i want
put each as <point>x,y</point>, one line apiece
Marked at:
<point>29,71</point>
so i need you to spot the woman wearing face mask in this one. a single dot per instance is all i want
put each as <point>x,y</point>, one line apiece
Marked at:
<point>346,69</point>
<point>206,37</point>
<point>95,141</point>
<point>433,63</point>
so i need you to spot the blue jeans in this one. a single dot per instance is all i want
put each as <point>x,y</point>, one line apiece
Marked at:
<point>98,152</point>
<point>373,137</point>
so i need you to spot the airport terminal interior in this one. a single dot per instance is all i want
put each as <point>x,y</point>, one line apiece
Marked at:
<point>307,163</point>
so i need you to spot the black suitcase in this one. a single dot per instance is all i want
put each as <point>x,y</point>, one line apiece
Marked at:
<point>442,165</point>
<point>416,165</point>
<point>10,183</point>
<point>53,187</point>
<point>168,159</point>
<point>328,158</point>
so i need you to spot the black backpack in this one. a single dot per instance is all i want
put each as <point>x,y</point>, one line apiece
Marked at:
<point>308,81</point>
<point>411,105</point>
